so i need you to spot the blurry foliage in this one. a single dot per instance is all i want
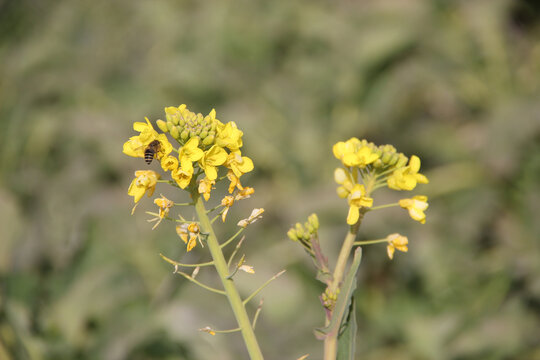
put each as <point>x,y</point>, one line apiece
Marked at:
<point>457,83</point>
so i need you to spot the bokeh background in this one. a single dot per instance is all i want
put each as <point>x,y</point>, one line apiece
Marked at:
<point>455,82</point>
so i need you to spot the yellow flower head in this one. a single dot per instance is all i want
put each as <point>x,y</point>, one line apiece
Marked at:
<point>212,158</point>
<point>245,193</point>
<point>189,234</point>
<point>182,177</point>
<point>354,153</point>
<point>234,182</point>
<point>407,177</point>
<point>226,202</point>
<point>396,241</point>
<point>144,182</point>
<point>190,152</point>
<point>169,163</point>
<point>136,145</point>
<point>164,205</point>
<point>416,206</point>
<point>229,136</point>
<point>357,199</point>
<point>205,187</point>
<point>238,164</point>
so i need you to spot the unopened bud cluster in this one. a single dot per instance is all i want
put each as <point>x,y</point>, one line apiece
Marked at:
<point>329,299</point>
<point>304,232</point>
<point>183,125</point>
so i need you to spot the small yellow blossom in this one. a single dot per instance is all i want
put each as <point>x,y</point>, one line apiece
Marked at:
<point>164,205</point>
<point>169,163</point>
<point>136,145</point>
<point>357,199</point>
<point>189,153</point>
<point>189,234</point>
<point>182,177</point>
<point>344,179</point>
<point>234,182</point>
<point>255,215</point>
<point>353,153</point>
<point>407,177</point>
<point>144,182</point>
<point>229,136</point>
<point>212,158</point>
<point>396,241</point>
<point>245,193</point>
<point>227,202</point>
<point>416,206</point>
<point>205,187</point>
<point>238,164</point>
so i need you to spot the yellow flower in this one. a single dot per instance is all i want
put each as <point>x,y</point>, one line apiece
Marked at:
<point>234,182</point>
<point>182,177</point>
<point>188,153</point>
<point>164,205</point>
<point>396,241</point>
<point>227,202</point>
<point>205,187</point>
<point>407,177</point>
<point>144,182</point>
<point>238,164</point>
<point>344,179</point>
<point>229,136</point>
<point>416,206</point>
<point>136,145</point>
<point>255,215</point>
<point>189,234</point>
<point>169,163</point>
<point>357,199</point>
<point>245,193</point>
<point>354,153</point>
<point>215,156</point>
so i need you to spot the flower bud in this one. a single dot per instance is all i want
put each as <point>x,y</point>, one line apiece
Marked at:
<point>378,163</point>
<point>162,125</point>
<point>169,125</point>
<point>299,230</point>
<point>184,135</point>
<point>402,161</point>
<point>292,235</point>
<point>203,134</point>
<point>174,132</point>
<point>209,140</point>
<point>314,221</point>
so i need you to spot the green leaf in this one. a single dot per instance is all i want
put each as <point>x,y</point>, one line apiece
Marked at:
<point>347,338</point>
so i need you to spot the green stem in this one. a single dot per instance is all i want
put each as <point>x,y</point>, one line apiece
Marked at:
<point>230,289</point>
<point>330,342</point>
<point>369,242</point>
<point>383,206</point>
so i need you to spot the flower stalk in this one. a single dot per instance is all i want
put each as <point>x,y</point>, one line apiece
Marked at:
<point>222,269</point>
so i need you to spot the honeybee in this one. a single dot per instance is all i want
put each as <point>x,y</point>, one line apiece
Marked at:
<point>151,151</point>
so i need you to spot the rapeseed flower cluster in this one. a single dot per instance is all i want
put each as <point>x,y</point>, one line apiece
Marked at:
<point>367,167</point>
<point>204,145</point>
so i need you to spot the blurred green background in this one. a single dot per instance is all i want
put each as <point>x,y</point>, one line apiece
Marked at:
<point>455,82</point>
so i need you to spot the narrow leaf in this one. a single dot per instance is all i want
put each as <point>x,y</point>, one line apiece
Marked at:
<point>347,339</point>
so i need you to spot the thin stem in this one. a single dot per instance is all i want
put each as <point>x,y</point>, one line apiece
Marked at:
<point>175,263</point>
<point>263,286</point>
<point>257,312</point>
<point>232,238</point>
<point>230,289</point>
<point>217,291</point>
<point>383,206</point>
<point>234,251</point>
<point>369,242</point>
<point>214,331</point>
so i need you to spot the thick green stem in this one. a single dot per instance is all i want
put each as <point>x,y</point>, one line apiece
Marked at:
<point>330,342</point>
<point>230,289</point>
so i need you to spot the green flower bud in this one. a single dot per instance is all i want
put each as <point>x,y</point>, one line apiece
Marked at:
<point>184,135</point>
<point>162,125</point>
<point>386,157</point>
<point>169,125</point>
<point>174,132</point>
<point>314,221</point>
<point>378,163</point>
<point>203,134</point>
<point>292,235</point>
<point>209,140</point>
<point>299,230</point>
<point>393,159</point>
<point>402,161</point>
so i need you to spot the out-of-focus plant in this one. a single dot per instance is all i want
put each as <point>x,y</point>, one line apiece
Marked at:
<point>205,146</point>
<point>366,168</point>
